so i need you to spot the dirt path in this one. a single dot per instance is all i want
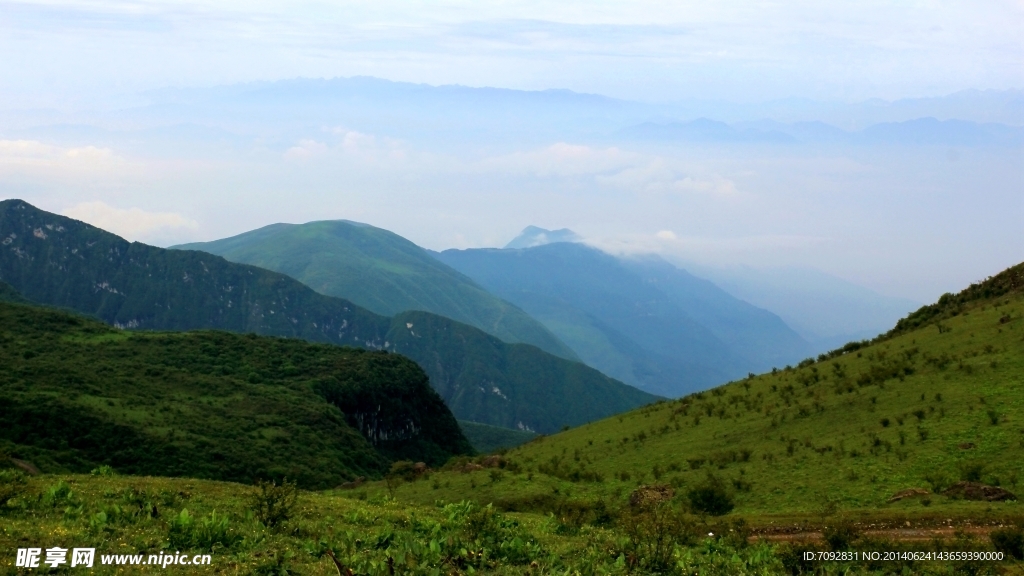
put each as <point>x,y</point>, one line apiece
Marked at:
<point>901,534</point>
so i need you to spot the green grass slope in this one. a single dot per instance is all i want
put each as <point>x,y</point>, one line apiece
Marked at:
<point>938,400</point>
<point>76,394</point>
<point>61,262</point>
<point>380,271</point>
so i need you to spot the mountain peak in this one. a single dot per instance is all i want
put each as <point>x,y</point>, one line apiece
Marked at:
<point>533,236</point>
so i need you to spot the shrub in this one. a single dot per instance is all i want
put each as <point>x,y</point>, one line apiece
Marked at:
<point>186,532</point>
<point>1009,541</point>
<point>710,497</point>
<point>58,495</point>
<point>103,470</point>
<point>13,484</point>
<point>271,503</point>
<point>972,471</point>
<point>653,533</point>
<point>840,535</point>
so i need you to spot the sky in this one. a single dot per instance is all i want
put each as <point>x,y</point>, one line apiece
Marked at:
<point>907,221</point>
<point>85,52</point>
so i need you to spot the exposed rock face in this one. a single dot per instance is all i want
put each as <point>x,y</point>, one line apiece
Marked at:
<point>978,491</point>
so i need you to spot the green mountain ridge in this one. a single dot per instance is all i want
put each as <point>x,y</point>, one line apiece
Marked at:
<point>77,394</point>
<point>58,261</point>
<point>382,272</point>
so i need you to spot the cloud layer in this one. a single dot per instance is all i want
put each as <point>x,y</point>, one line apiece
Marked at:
<point>130,224</point>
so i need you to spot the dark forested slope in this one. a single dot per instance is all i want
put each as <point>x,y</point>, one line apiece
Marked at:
<point>75,394</point>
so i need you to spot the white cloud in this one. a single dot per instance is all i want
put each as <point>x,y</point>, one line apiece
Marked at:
<point>349,143</point>
<point>33,153</point>
<point>131,224</point>
<point>305,149</point>
<point>561,159</point>
<point>716,185</point>
<point>656,177</point>
<point>666,235</point>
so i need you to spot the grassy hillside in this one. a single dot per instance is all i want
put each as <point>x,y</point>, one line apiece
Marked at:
<point>938,400</point>
<point>77,394</point>
<point>62,262</point>
<point>643,321</point>
<point>382,272</point>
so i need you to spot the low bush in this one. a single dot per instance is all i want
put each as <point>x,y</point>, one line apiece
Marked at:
<point>13,484</point>
<point>1009,541</point>
<point>710,497</point>
<point>187,532</point>
<point>272,504</point>
<point>840,535</point>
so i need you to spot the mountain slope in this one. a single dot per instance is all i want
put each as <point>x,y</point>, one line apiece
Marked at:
<point>641,321</point>
<point>9,294</point>
<point>58,261</point>
<point>79,394</point>
<point>825,310</point>
<point>936,401</point>
<point>754,333</point>
<point>382,272</point>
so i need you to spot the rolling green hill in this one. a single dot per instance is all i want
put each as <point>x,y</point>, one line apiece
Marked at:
<point>939,399</point>
<point>382,272</point>
<point>58,261</point>
<point>77,394</point>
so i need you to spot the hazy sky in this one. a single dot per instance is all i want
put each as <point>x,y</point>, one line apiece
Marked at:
<point>68,53</point>
<point>911,222</point>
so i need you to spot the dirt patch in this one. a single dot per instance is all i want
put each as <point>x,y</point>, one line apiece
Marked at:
<point>908,493</point>
<point>353,484</point>
<point>978,491</point>
<point>898,534</point>
<point>650,495</point>
<point>28,467</point>
<point>493,462</point>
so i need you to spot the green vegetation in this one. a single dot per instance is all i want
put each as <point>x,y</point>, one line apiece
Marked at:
<point>77,394</point>
<point>62,262</point>
<point>851,446</point>
<point>382,272</point>
<point>709,484</point>
<point>486,438</point>
<point>923,408</point>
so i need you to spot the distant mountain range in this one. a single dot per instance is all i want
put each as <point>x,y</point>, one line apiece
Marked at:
<point>55,260</point>
<point>382,272</point>
<point>643,321</point>
<point>825,310</point>
<point>917,132</point>
<point>212,119</point>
